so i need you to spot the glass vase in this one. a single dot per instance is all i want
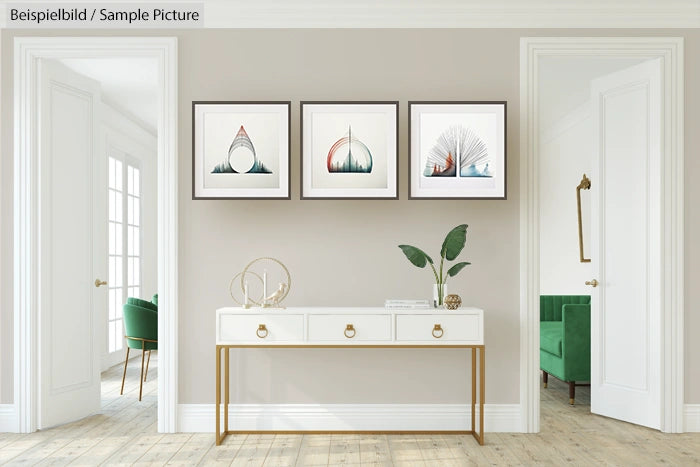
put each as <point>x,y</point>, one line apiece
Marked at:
<point>439,294</point>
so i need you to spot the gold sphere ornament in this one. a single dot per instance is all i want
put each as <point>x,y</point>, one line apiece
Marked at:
<point>452,301</point>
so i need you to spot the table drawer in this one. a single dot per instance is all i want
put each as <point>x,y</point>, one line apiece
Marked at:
<point>349,328</point>
<point>261,328</point>
<point>439,328</point>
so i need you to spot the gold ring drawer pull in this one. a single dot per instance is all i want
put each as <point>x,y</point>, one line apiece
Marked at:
<point>262,331</point>
<point>438,329</point>
<point>348,329</point>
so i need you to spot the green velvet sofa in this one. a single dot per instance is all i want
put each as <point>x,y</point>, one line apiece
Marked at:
<point>565,339</point>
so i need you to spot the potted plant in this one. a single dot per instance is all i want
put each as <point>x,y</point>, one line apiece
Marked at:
<point>451,248</point>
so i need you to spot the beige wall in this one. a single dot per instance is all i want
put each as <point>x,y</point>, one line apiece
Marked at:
<point>344,252</point>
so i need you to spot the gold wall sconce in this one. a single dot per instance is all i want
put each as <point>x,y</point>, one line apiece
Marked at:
<point>584,185</point>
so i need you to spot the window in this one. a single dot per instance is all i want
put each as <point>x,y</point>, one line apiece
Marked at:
<point>124,242</point>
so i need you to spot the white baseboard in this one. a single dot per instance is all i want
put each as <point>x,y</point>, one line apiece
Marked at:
<point>503,418</point>
<point>691,414</point>
<point>8,418</point>
<point>350,417</point>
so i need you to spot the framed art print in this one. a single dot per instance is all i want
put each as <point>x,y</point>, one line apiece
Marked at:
<point>349,150</point>
<point>457,150</point>
<point>240,150</point>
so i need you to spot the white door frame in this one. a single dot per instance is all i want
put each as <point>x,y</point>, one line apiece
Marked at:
<point>27,312</point>
<point>670,50</point>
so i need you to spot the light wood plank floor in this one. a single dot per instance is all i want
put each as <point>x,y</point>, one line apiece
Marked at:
<point>125,433</point>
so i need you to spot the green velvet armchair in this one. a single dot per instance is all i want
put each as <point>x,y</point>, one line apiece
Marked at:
<point>141,326</point>
<point>565,339</point>
<point>142,303</point>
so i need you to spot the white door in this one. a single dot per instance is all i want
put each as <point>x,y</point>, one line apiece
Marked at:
<point>626,244</point>
<point>73,246</point>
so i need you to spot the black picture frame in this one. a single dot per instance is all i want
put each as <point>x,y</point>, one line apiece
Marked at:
<point>414,154</point>
<point>306,157</point>
<point>283,193</point>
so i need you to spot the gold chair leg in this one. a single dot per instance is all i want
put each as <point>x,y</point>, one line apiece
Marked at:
<point>143,354</point>
<point>124,376</point>
<point>148,361</point>
<point>572,392</point>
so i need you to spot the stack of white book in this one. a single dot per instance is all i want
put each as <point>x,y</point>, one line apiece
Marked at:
<point>407,304</point>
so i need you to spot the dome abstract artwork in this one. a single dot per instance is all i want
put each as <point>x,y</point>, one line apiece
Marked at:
<point>349,155</point>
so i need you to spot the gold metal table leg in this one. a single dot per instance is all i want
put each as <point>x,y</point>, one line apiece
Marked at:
<point>482,393</point>
<point>473,351</point>
<point>479,436</point>
<point>226,389</point>
<point>218,395</point>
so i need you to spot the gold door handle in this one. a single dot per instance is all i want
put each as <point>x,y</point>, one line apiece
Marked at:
<point>261,329</point>
<point>349,328</point>
<point>584,185</point>
<point>99,282</point>
<point>592,283</point>
<point>437,329</point>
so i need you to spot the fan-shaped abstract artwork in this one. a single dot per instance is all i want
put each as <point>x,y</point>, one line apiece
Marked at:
<point>460,146</point>
<point>349,155</point>
<point>241,157</point>
<point>457,150</point>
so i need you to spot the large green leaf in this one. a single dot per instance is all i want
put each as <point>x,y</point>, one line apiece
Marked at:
<point>454,242</point>
<point>416,255</point>
<point>456,268</point>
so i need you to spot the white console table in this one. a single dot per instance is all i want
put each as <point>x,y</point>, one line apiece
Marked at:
<point>329,327</point>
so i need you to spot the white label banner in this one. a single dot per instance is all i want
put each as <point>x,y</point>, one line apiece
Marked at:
<point>96,15</point>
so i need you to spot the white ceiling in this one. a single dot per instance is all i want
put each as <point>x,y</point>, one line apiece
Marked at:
<point>128,84</point>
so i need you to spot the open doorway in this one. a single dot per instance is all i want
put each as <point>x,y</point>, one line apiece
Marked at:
<point>600,154</point>
<point>99,116</point>
<point>638,173</point>
<point>88,238</point>
<point>567,140</point>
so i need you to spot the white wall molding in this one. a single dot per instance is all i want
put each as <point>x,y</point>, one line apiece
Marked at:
<point>8,418</point>
<point>28,52</point>
<point>168,228</point>
<point>670,49</point>
<point>352,417</point>
<point>692,418</point>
